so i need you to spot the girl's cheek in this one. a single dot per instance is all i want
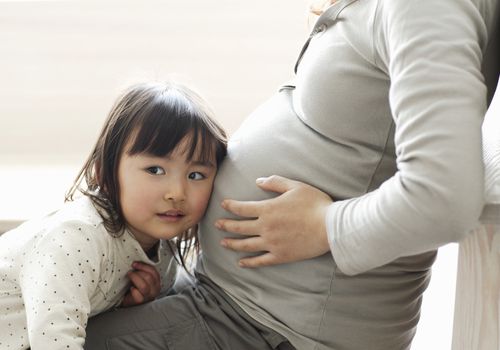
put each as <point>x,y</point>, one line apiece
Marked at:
<point>204,204</point>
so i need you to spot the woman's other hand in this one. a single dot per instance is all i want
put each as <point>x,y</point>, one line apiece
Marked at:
<point>287,228</point>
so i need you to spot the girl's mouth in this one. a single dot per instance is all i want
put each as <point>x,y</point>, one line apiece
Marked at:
<point>171,215</point>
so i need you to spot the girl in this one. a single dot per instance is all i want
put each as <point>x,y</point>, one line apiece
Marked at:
<point>148,181</point>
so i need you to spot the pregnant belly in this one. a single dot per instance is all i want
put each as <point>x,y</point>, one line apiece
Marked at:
<point>274,141</point>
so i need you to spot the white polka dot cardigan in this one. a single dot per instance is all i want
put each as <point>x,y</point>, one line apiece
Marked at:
<point>57,271</point>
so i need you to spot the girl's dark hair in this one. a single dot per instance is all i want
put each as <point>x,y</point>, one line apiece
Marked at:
<point>157,116</point>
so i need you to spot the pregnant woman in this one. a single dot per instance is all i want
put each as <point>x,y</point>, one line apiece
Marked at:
<point>383,124</point>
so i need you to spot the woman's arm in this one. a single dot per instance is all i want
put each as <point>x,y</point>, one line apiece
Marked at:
<point>432,53</point>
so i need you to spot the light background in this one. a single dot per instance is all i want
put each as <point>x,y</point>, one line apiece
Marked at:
<point>64,62</point>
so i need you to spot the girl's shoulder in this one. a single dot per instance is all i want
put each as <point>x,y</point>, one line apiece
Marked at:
<point>75,224</point>
<point>78,218</point>
<point>80,210</point>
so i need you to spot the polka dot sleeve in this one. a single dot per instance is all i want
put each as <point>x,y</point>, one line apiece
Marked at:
<point>57,280</point>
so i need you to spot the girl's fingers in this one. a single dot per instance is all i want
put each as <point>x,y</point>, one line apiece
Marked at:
<point>137,296</point>
<point>139,282</point>
<point>149,273</point>
<point>146,284</point>
<point>133,297</point>
<point>140,266</point>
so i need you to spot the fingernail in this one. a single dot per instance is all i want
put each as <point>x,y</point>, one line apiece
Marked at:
<point>260,180</point>
<point>223,204</point>
<point>218,224</point>
<point>223,243</point>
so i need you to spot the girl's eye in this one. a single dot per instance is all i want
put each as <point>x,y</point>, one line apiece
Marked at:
<point>196,176</point>
<point>155,170</point>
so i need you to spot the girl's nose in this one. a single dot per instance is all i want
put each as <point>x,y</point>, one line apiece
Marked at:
<point>176,191</point>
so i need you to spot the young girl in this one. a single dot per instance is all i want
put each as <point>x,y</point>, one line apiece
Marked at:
<point>148,181</point>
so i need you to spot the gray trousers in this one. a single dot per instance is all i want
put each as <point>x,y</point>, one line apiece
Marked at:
<point>200,316</point>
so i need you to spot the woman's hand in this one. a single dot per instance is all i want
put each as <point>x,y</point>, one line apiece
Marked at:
<point>290,227</point>
<point>146,284</point>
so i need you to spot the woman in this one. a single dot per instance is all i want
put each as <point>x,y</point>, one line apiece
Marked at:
<point>383,122</point>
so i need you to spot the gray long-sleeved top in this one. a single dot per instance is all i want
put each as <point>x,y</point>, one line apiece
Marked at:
<point>384,115</point>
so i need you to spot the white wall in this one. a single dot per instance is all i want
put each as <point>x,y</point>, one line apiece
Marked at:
<point>63,63</point>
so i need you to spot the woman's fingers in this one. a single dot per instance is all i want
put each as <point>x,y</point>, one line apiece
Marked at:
<point>248,209</point>
<point>276,183</point>
<point>249,245</point>
<point>266,259</point>
<point>242,227</point>
<point>287,228</point>
<point>253,209</point>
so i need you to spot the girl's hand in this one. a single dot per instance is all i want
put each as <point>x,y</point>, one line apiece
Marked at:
<point>146,284</point>
<point>290,227</point>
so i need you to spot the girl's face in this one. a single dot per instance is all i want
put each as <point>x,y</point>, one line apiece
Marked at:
<point>162,197</point>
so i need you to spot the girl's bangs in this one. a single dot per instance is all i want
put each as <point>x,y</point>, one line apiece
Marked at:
<point>164,129</point>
